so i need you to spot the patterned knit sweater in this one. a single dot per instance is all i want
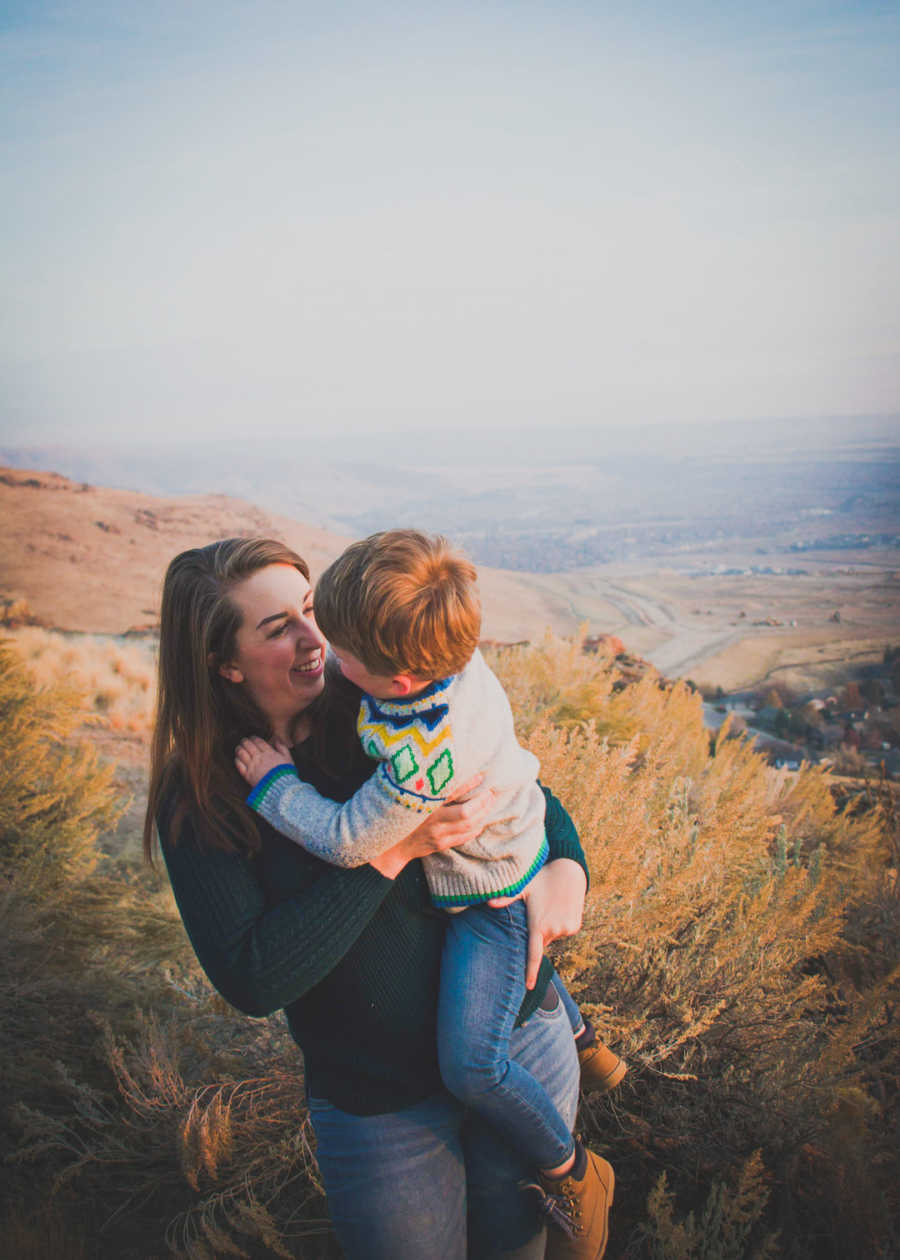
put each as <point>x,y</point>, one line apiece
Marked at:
<point>353,958</point>
<point>427,746</point>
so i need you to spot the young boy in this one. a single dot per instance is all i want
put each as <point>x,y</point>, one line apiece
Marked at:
<point>402,615</point>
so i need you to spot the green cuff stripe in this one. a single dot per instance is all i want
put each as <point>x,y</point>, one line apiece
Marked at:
<point>261,791</point>
<point>475,899</point>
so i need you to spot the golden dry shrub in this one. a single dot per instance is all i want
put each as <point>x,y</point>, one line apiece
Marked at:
<point>127,1131</point>
<point>715,952</point>
<point>723,1228</point>
<point>55,798</point>
<point>739,947</point>
<point>556,682</point>
<point>113,676</point>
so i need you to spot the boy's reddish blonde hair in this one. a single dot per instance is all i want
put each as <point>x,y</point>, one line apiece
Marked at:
<point>402,602</point>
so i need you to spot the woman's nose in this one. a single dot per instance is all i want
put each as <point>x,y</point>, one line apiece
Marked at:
<point>310,635</point>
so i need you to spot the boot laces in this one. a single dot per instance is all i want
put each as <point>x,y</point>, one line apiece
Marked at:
<point>557,1209</point>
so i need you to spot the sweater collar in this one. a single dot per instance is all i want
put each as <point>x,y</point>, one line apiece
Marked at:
<point>412,704</point>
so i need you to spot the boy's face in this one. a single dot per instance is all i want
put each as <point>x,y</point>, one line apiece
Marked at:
<point>381,686</point>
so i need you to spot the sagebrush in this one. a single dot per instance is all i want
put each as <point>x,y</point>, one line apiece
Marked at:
<point>740,948</point>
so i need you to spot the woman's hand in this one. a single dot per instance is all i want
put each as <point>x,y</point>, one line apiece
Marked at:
<point>554,903</point>
<point>454,823</point>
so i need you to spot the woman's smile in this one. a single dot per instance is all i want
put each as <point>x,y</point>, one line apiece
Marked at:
<point>313,665</point>
<point>279,650</point>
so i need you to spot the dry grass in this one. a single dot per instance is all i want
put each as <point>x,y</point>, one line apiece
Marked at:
<point>143,1114</point>
<point>740,946</point>
<point>115,676</point>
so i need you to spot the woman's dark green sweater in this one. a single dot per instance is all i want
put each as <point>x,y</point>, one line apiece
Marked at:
<point>352,957</point>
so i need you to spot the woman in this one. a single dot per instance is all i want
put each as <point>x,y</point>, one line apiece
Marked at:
<point>353,956</point>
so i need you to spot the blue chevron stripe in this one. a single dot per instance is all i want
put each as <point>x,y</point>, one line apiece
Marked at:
<point>429,718</point>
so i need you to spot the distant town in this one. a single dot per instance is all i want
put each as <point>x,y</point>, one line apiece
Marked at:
<point>854,731</point>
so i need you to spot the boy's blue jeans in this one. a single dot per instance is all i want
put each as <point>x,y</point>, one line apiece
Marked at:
<point>414,1183</point>
<point>482,988</point>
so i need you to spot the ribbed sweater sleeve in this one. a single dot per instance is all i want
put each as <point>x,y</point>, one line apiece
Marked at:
<point>562,837</point>
<point>346,835</point>
<point>259,956</point>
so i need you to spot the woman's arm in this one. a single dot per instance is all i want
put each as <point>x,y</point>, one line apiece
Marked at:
<point>554,899</point>
<point>263,956</point>
<point>562,837</point>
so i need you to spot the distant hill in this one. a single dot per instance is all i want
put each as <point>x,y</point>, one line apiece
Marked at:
<point>551,499</point>
<point>87,558</point>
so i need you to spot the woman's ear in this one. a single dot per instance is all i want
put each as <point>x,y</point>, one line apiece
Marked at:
<point>230,671</point>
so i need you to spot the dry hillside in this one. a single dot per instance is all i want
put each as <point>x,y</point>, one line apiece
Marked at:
<point>87,558</point>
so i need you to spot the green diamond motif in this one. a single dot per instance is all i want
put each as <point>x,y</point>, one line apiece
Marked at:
<point>404,764</point>
<point>372,750</point>
<point>440,772</point>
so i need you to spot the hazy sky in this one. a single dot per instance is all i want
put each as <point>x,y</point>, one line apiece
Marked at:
<point>265,219</point>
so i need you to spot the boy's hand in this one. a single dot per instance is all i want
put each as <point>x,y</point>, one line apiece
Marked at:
<point>254,758</point>
<point>455,822</point>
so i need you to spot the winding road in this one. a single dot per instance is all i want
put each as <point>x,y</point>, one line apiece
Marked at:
<point>687,643</point>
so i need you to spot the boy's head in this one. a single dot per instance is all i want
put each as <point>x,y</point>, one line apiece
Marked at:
<point>403,605</point>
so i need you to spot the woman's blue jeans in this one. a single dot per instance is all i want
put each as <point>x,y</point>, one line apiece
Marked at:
<point>571,1007</point>
<point>482,989</point>
<point>436,1181</point>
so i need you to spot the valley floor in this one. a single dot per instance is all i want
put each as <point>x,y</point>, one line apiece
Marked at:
<point>738,629</point>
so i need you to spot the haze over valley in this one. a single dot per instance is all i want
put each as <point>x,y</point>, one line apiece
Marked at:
<point>544,499</point>
<point>725,554</point>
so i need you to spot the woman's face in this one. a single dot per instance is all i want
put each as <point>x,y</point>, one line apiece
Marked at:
<point>279,650</point>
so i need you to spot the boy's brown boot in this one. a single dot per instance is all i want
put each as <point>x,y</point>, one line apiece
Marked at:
<point>577,1211</point>
<point>601,1068</point>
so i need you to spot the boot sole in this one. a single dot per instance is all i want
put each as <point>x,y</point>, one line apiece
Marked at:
<point>609,1203</point>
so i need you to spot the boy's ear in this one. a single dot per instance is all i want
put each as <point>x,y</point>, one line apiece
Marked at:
<point>405,684</point>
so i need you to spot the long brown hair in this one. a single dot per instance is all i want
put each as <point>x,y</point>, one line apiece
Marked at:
<point>200,716</point>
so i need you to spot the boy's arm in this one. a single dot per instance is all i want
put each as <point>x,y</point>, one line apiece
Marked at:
<point>372,821</point>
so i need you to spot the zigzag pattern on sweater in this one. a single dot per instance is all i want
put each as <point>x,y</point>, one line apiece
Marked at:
<point>415,749</point>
